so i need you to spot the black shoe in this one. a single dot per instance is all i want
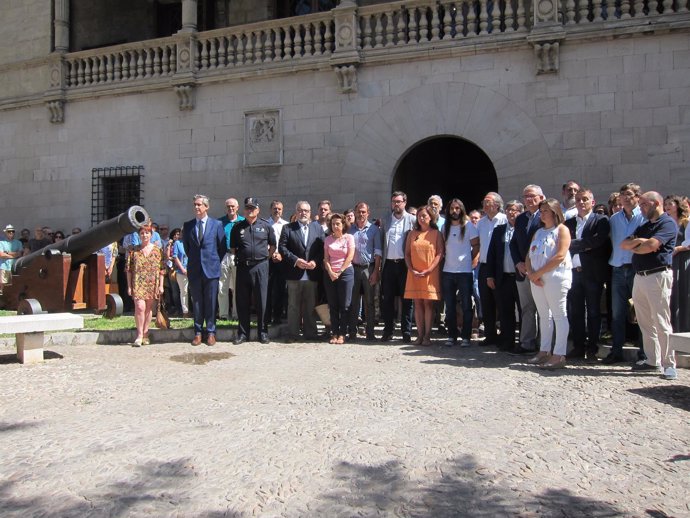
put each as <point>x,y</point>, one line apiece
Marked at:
<point>613,358</point>
<point>591,357</point>
<point>240,340</point>
<point>371,338</point>
<point>642,366</point>
<point>576,354</point>
<point>352,337</point>
<point>518,350</point>
<point>407,338</point>
<point>450,342</point>
<point>263,338</point>
<point>386,337</point>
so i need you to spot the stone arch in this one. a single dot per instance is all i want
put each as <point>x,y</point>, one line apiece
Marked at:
<point>491,121</point>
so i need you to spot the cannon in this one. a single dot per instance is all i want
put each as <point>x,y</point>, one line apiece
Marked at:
<point>70,275</point>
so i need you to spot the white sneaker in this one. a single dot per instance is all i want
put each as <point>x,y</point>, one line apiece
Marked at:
<point>465,343</point>
<point>670,373</point>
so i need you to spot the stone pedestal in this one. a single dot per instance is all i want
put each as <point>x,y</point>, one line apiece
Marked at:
<point>30,347</point>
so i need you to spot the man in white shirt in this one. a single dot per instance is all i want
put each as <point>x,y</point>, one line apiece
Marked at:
<point>493,216</point>
<point>276,275</point>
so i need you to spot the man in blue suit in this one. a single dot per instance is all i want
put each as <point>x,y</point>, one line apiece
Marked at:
<point>590,248</point>
<point>526,225</point>
<point>205,244</point>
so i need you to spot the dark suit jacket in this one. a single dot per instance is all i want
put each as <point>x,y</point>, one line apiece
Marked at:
<point>494,257</point>
<point>291,247</point>
<point>204,258</point>
<point>522,237</point>
<point>594,247</point>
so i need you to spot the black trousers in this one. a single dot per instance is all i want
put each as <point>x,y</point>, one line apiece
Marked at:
<point>251,281</point>
<point>508,299</point>
<point>276,292</point>
<point>585,299</point>
<point>393,280</point>
<point>488,299</point>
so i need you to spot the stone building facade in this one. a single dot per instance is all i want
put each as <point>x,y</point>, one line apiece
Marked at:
<point>429,96</point>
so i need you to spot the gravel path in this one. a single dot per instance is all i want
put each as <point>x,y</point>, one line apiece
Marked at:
<point>329,431</point>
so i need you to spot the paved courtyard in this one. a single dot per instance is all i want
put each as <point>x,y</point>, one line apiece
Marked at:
<point>318,430</point>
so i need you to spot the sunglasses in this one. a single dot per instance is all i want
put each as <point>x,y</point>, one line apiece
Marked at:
<point>10,231</point>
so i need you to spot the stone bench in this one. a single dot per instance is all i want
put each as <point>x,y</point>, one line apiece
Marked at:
<point>680,342</point>
<point>30,329</point>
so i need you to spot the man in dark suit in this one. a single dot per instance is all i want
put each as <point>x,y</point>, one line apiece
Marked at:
<point>501,276</point>
<point>590,250</point>
<point>205,244</point>
<point>301,247</point>
<point>526,225</point>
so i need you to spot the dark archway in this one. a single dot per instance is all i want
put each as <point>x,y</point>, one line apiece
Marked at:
<point>451,167</point>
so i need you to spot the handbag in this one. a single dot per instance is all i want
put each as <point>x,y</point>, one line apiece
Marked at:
<point>162,318</point>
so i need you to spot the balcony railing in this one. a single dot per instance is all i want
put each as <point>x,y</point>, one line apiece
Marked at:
<point>382,31</point>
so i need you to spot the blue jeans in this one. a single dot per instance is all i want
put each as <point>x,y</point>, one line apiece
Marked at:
<point>457,286</point>
<point>621,291</point>
<point>339,294</point>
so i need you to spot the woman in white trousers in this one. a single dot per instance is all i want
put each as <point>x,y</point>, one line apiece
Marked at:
<point>549,270</point>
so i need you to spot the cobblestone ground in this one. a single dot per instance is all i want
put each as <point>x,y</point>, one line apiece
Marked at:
<point>328,431</point>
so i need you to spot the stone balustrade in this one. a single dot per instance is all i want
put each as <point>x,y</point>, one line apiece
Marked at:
<point>137,61</point>
<point>348,36</point>
<point>274,41</point>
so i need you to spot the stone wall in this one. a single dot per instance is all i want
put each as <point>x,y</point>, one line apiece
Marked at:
<point>617,111</point>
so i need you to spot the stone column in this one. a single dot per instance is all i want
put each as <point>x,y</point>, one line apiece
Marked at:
<point>61,25</point>
<point>189,13</point>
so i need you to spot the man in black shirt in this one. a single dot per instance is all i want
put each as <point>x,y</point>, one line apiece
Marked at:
<point>652,247</point>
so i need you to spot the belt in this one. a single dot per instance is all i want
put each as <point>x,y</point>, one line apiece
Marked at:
<point>362,265</point>
<point>626,265</point>
<point>651,271</point>
<point>396,261</point>
<point>252,262</point>
<point>578,269</point>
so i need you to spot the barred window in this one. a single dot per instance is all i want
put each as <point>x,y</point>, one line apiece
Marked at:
<point>114,190</point>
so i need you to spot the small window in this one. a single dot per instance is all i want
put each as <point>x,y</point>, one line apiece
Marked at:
<point>114,190</point>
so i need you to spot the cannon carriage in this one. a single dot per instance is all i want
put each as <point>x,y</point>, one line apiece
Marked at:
<point>70,275</point>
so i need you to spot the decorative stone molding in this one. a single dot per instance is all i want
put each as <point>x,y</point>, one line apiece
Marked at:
<point>347,78</point>
<point>545,12</point>
<point>185,96</point>
<point>547,55</point>
<point>56,111</point>
<point>263,138</point>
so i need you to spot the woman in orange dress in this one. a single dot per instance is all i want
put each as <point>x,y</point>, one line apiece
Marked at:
<point>145,273</point>
<point>423,252</point>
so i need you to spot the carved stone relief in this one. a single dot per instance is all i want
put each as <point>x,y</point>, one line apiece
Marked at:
<point>263,138</point>
<point>347,78</point>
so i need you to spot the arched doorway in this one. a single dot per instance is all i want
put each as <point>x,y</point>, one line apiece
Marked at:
<point>449,166</point>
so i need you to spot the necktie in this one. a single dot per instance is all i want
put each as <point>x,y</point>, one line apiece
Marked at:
<point>304,234</point>
<point>200,231</point>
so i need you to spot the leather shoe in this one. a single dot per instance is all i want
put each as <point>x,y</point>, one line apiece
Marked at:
<point>518,350</point>
<point>197,340</point>
<point>553,363</point>
<point>576,354</point>
<point>407,338</point>
<point>211,340</point>
<point>263,338</point>
<point>386,337</point>
<point>240,339</point>
<point>612,358</point>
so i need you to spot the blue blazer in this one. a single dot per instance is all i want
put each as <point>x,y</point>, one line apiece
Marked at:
<point>594,247</point>
<point>204,258</point>
<point>522,238</point>
<point>494,258</point>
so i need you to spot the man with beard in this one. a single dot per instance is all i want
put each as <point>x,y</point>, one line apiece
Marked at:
<point>568,191</point>
<point>301,247</point>
<point>652,247</point>
<point>394,274</point>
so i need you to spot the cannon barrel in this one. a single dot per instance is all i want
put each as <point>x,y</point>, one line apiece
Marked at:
<point>81,246</point>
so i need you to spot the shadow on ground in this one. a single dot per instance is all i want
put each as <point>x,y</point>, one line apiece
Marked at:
<point>674,395</point>
<point>6,359</point>
<point>154,489</point>
<point>465,489</point>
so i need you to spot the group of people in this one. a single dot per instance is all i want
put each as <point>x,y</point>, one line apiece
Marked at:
<point>533,270</point>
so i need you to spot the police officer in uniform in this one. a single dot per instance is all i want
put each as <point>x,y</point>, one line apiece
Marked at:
<point>253,242</point>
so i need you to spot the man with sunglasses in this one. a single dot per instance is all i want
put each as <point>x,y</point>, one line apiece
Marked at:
<point>10,249</point>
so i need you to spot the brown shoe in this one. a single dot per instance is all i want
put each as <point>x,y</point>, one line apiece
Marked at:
<point>556,362</point>
<point>197,340</point>
<point>541,357</point>
<point>211,340</point>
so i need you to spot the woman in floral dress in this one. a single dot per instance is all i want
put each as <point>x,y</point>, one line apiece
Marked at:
<point>145,273</point>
